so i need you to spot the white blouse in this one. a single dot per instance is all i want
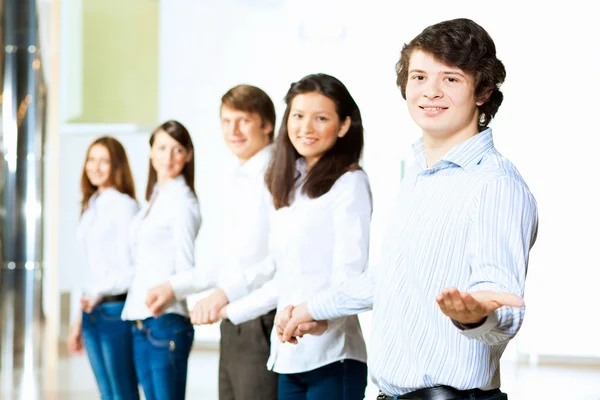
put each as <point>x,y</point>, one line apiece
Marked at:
<point>103,239</point>
<point>315,244</point>
<point>163,234</point>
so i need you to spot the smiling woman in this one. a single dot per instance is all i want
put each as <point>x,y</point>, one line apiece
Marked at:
<point>106,166</point>
<point>319,236</point>
<point>314,126</point>
<point>171,155</point>
<point>321,127</point>
<point>107,208</point>
<point>162,236</point>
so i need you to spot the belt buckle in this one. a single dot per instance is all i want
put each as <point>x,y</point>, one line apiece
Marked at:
<point>139,324</point>
<point>381,396</point>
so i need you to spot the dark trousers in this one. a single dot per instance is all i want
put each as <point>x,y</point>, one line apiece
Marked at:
<point>341,380</point>
<point>109,347</point>
<point>245,349</point>
<point>161,348</point>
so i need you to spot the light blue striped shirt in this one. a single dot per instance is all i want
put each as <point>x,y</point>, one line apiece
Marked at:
<point>468,222</point>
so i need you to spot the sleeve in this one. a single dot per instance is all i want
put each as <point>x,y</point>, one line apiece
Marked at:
<point>251,279</point>
<point>186,224</point>
<point>504,228</point>
<point>351,227</point>
<point>348,298</point>
<point>352,287</point>
<point>257,303</point>
<point>258,274</point>
<point>190,281</point>
<point>123,212</point>
<point>75,306</point>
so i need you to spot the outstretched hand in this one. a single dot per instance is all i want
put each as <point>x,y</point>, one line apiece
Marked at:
<point>470,308</point>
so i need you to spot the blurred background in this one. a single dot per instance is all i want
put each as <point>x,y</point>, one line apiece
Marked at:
<point>73,70</point>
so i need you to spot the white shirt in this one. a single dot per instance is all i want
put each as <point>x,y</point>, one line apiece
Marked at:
<point>468,222</point>
<point>315,244</point>
<point>103,237</point>
<point>162,236</point>
<point>248,207</point>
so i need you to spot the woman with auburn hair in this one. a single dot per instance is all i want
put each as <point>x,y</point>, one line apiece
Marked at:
<point>163,235</point>
<point>107,208</point>
<point>319,238</point>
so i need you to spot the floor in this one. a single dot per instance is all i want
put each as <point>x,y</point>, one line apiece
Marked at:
<point>74,380</point>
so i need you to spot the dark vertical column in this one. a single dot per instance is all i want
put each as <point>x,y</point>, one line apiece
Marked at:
<point>21,146</point>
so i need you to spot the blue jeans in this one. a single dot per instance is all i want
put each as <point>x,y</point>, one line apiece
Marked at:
<point>109,346</point>
<point>341,380</point>
<point>161,347</point>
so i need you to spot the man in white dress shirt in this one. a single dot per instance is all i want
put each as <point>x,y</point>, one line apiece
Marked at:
<point>247,124</point>
<point>447,293</point>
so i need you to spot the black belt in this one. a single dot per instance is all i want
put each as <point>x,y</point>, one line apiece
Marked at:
<point>440,393</point>
<point>115,298</point>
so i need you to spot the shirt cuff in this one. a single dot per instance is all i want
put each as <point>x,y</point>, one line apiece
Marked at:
<point>235,313</point>
<point>182,284</point>
<point>234,290</point>
<point>490,323</point>
<point>322,306</point>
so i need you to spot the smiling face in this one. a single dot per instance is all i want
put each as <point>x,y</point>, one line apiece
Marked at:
<point>245,132</point>
<point>168,156</point>
<point>314,125</point>
<point>97,167</point>
<point>441,99</point>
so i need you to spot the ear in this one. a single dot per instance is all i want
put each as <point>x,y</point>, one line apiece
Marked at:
<point>189,156</point>
<point>345,127</point>
<point>483,99</point>
<point>267,128</point>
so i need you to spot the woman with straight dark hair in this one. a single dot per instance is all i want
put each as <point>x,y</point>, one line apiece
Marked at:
<point>319,238</point>
<point>107,208</point>
<point>163,235</point>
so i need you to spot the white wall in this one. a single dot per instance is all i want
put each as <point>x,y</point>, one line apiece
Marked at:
<point>546,125</point>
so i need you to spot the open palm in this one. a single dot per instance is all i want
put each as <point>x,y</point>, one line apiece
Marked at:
<point>469,308</point>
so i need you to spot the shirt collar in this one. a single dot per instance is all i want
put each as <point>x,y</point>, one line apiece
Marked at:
<point>256,165</point>
<point>100,198</point>
<point>466,154</point>
<point>170,185</point>
<point>300,167</point>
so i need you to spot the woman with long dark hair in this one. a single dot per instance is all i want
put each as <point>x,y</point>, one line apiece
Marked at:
<point>107,208</point>
<point>319,237</point>
<point>163,235</point>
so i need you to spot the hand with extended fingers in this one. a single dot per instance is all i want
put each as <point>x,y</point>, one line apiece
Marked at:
<point>292,323</point>
<point>210,309</point>
<point>158,297</point>
<point>474,307</point>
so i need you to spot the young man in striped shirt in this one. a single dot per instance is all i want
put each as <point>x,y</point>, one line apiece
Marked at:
<point>447,293</point>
